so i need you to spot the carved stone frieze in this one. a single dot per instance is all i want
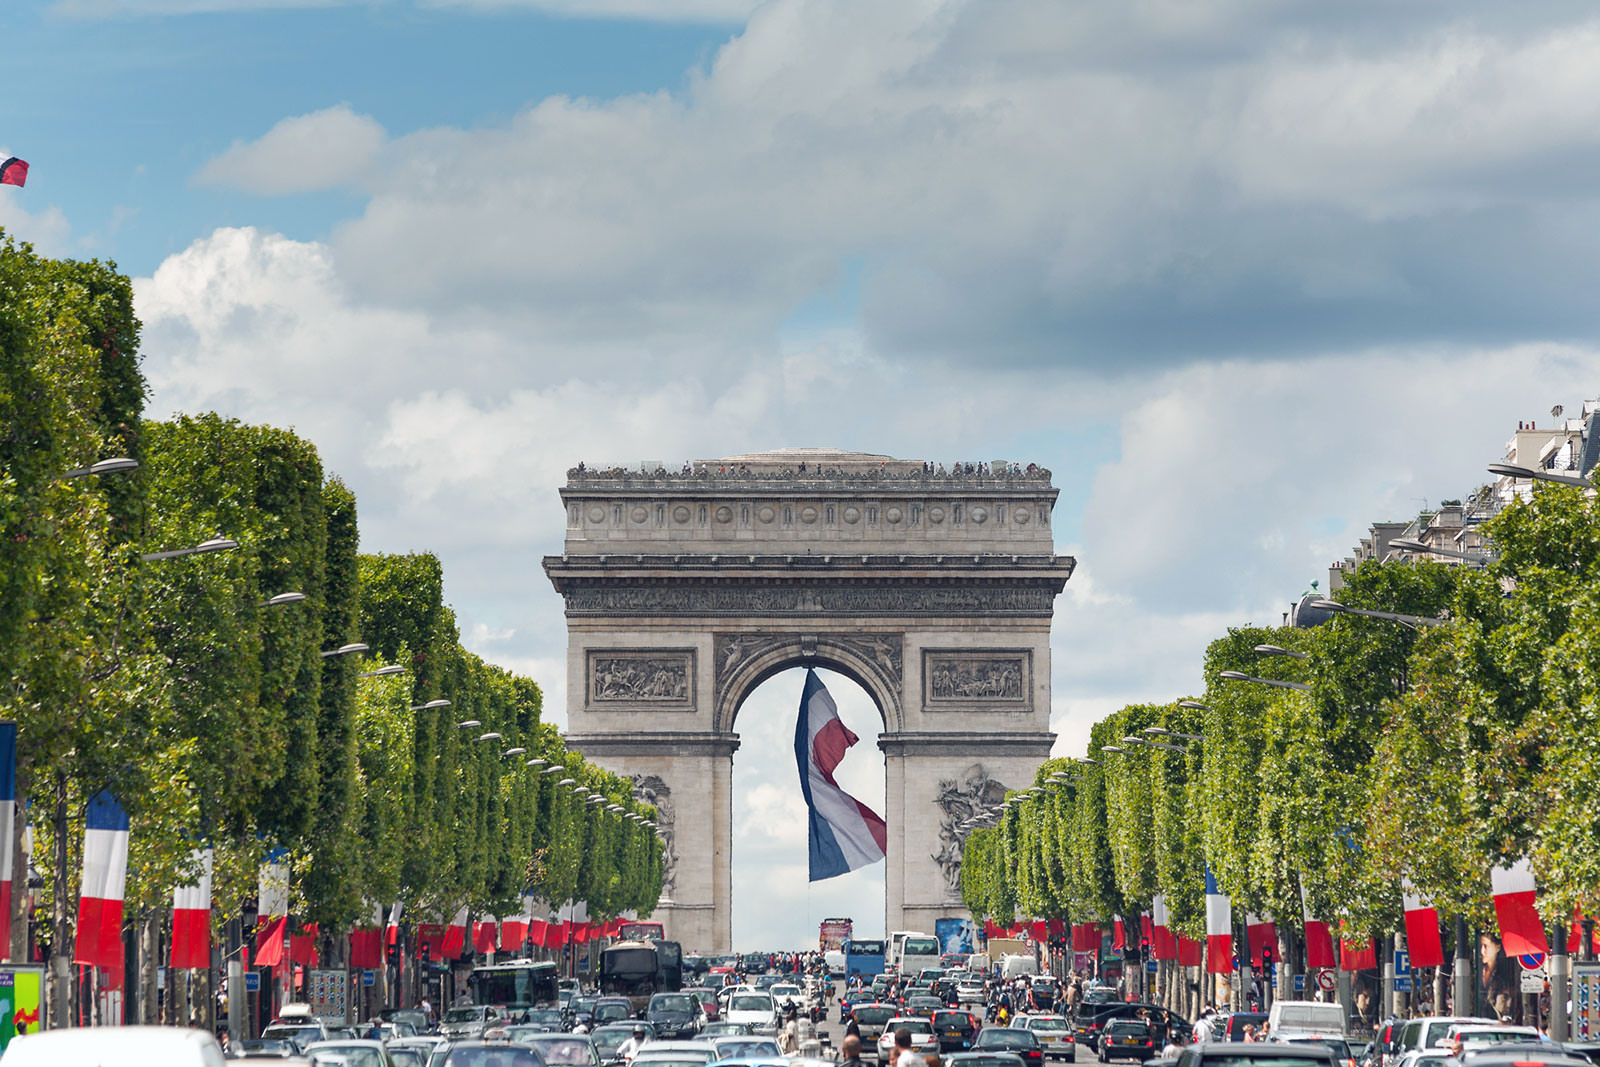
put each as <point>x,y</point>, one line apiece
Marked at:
<point>961,679</point>
<point>628,679</point>
<point>744,658</point>
<point>997,598</point>
<point>959,800</point>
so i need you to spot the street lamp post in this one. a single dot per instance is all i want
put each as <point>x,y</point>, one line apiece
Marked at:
<point>1240,676</point>
<point>1405,544</point>
<point>1416,622</point>
<point>1534,474</point>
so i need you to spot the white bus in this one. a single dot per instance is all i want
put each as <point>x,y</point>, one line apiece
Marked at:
<point>914,950</point>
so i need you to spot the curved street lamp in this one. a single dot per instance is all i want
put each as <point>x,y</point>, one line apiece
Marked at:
<point>1516,470</point>
<point>1406,544</point>
<point>115,465</point>
<point>345,650</point>
<point>383,672</point>
<point>490,736</point>
<point>1416,622</point>
<point>466,724</point>
<point>282,599</point>
<point>430,705</point>
<point>1194,705</point>
<point>1162,731</point>
<point>1279,650</point>
<point>1240,676</point>
<point>513,752</point>
<point>215,544</point>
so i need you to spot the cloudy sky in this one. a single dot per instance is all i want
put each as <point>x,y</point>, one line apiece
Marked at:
<point>1245,274</point>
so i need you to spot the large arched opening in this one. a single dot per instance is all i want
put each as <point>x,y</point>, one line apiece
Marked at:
<point>775,905</point>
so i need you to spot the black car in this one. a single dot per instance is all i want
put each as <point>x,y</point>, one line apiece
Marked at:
<point>675,1015</point>
<point>956,1030</point>
<point>982,1059</point>
<point>1127,1039</point>
<point>1233,1025</point>
<point>1023,1044</point>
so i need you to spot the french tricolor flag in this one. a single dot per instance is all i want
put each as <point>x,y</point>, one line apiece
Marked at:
<point>455,936</point>
<point>1219,927</point>
<point>1319,941</point>
<point>391,930</point>
<point>191,917</point>
<point>8,825</point>
<point>105,876</point>
<point>845,833</point>
<point>1164,941</point>
<point>1521,929</point>
<point>1422,929</point>
<point>1262,934</point>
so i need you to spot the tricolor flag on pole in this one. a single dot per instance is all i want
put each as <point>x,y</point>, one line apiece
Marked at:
<point>1219,927</point>
<point>366,942</point>
<point>1319,942</point>
<point>105,876</point>
<point>1422,929</point>
<point>845,834</point>
<point>1262,934</point>
<point>455,936</point>
<point>1164,942</point>
<point>272,911</point>
<point>191,917</point>
<point>14,172</point>
<point>1521,929</point>
<point>8,826</point>
<point>391,931</point>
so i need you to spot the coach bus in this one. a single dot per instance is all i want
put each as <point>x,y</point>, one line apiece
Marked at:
<point>516,985</point>
<point>640,969</point>
<point>863,957</point>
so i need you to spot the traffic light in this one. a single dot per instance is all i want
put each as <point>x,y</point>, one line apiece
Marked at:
<point>427,951</point>
<point>1266,958</point>
<point>394,954</point>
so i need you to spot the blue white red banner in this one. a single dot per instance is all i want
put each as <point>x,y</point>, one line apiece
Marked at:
<point>845,834</point>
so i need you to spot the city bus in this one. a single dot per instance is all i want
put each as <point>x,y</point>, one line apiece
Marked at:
<point>863,957</point>
<point>517,985</point>
<point>639,970</point>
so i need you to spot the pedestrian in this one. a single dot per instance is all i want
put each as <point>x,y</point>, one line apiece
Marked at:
<point>626,1050</point>
<point>903,1056</point>
<point>850,1048</point>
<point>931,1059</point>
<point>853,1029</point>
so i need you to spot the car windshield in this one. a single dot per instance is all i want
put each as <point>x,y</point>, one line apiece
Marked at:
<point>672,1002</point>
<point>736,1047</point>
<point>672,1059</point>
<point>609,1039</point>
<point>1340,1048</point>
<point>785,990</point>
<point>463,1015</point>
<point>751,1002</point>
<point>354,1055</point>
<point>915,1026</point>
<point>705,996</point>
<point>575,1050</point>
<point>407,1057</point>
<point>870,1016</point>
<point>544,1016</point>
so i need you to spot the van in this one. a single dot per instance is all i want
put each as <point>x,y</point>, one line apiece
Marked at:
<point>1013,966</point>
<point>126,1046</point>
<point>1305,1016</point>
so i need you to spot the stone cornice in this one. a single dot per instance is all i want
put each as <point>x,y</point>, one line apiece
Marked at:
<point>994,742</point>
<point>588,483</point>
<point>654,744</point>
<point>906,566</point>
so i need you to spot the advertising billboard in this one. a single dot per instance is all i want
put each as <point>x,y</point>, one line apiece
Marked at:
<point>955,935</point>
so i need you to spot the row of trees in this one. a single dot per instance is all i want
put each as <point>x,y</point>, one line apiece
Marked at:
<point>211,712</point>
<point>1430,754</point>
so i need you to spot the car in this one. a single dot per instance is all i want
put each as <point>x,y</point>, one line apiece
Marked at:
<point>754,1009</point>
<point>607,1039</point>
<point>470,1020</point>
<point>354,1053</point>
<point>1533,1054</point>
<point>260,1048</point>
<point>548,1019</point>
<point>1055,1034</point>
<point>956,1030</point>
<point>871,1019</point>
<point>1231,1027</point>
<point>675,1014</point>
<point>126,1046</point>
<point>299,1034</point>
<point>417,1019</point>
<point>1423,1057</point>
<point>969,992</point>
<point>787,993</point>
<point>1024,1044</point>
<point>724,1029</point>
<point>1254,1054</point>
<point>982,1059</point>
<point>576,1050</point>
<point>709,1004</point>
<point>745,1046</point>
<point>406,1056</point>
<point>674,1054</point>
<point>611,1010</point>
<point>1472,1035</point>
<point>472,1052</point>
<point>1427,1031</point>
<point>1124,1039</point>
<point>920,1029</point>
<point>1341,1048</point>
<point>923,1005</point>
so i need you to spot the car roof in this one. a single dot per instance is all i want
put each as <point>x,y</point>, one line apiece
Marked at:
<point>1259,1050</point>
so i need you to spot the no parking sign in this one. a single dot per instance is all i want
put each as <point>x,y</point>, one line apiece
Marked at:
<point>1326,981</point>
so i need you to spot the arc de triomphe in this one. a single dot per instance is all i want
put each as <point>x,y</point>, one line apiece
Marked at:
<point>934,591</point>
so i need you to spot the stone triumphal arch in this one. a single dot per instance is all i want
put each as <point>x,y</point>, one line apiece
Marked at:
<point>933,590</point>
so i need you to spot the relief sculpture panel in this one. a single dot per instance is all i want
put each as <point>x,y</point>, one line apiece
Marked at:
<point>958,680</point>
<point>628,679</point>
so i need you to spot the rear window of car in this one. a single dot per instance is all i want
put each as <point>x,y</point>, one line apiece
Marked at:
<point>1127,1026</point>
<point>870,1016</point>
<point>915,1026</point>
<point>1219,1058</point>
<point>1003,1038</point>
<point>951,1018</point>
<point>1048,1024</point>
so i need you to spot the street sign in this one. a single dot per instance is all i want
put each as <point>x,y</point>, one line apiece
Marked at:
<point>1402,962</point>
<point>1532,982</point>
<point>252,981</point>
<point>1402,983</point>
<point>1532,961</point>
<point>1152,967</point>
<point>1299,983</point>
<point>1326,980</point>
<point>369,977</point>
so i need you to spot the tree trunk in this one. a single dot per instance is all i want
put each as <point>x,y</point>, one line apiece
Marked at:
<point>60,928</point>
<point>149,1012</point>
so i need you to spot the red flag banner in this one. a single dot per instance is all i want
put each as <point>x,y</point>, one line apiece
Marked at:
<point>366,949</point>
<point>1358,955</point>
<point>14,172</point>
<point>483,937</point>
<point>1190,952</point>
<point>269,941</point>
<point>1521,929</point>
<point>1422,930</point>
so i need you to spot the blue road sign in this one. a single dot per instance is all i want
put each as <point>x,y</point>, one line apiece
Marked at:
<point>1532,961</point>
<point>1151,967</point>
<point>369,977</point>
<point>1299,983</point>
<point>1402,983</point>
<point>1402,962</point>
<point>252,981</point>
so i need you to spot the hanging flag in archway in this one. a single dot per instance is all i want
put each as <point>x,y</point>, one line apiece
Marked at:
<point>845,834</point>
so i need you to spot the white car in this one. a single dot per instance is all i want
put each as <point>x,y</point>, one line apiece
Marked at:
<point>969,992</point>
<point>132,1046</point>
<point>1477,1036</point>
<point>923,1039</point>
<point>753,1008</point>
<point>354,1053</point>
<point>1054,1033</point>
<point>786,994</point>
